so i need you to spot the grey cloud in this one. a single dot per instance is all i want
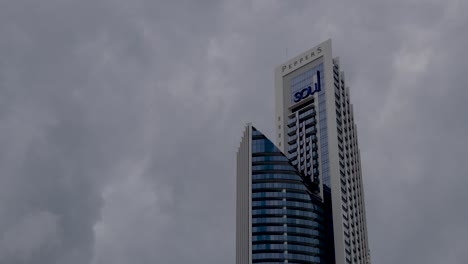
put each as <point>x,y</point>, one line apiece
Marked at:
<point>119,122</point>
<point>64,127</point>
<point>30,237</point>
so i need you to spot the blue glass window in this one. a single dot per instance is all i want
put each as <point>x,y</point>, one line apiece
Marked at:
<point>281,216</point>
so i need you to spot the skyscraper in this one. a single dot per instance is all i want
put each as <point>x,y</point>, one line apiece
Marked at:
<point>302,201</point>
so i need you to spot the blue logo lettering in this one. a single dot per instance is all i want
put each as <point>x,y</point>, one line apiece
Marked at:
<point>304,93</point>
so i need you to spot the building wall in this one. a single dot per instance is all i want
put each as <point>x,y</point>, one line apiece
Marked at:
<point>243,199</point>
<point>352,193</point>
<point>339,164</point>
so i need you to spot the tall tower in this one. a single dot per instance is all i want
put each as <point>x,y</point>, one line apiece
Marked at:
<point>281,217</point>
<point>315,127</point>
<point>302,200</point>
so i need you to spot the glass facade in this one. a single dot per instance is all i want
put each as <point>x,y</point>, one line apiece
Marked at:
<point>302,146</point>
<point>305,79</point>
<point>299,82</point>
<point>287,215</point>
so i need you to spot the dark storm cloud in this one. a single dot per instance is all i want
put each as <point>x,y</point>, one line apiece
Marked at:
<point>120,120</point>
<point>68,116</point>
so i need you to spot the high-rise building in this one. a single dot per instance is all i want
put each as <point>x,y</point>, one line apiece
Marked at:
<point>302,201</point>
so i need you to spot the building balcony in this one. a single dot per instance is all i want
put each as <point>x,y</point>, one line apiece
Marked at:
<point>292,122</point>
<point>292,148</point>
<point>291,131</point>
<point>307,114</point>
<point>309,122</point>
<point>310,131</point>
<point>292,139</point>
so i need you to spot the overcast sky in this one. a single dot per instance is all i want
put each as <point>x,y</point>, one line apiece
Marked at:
<point>120,120</point>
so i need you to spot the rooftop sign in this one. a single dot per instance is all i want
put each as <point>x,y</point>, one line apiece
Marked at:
<point>305,58</point>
